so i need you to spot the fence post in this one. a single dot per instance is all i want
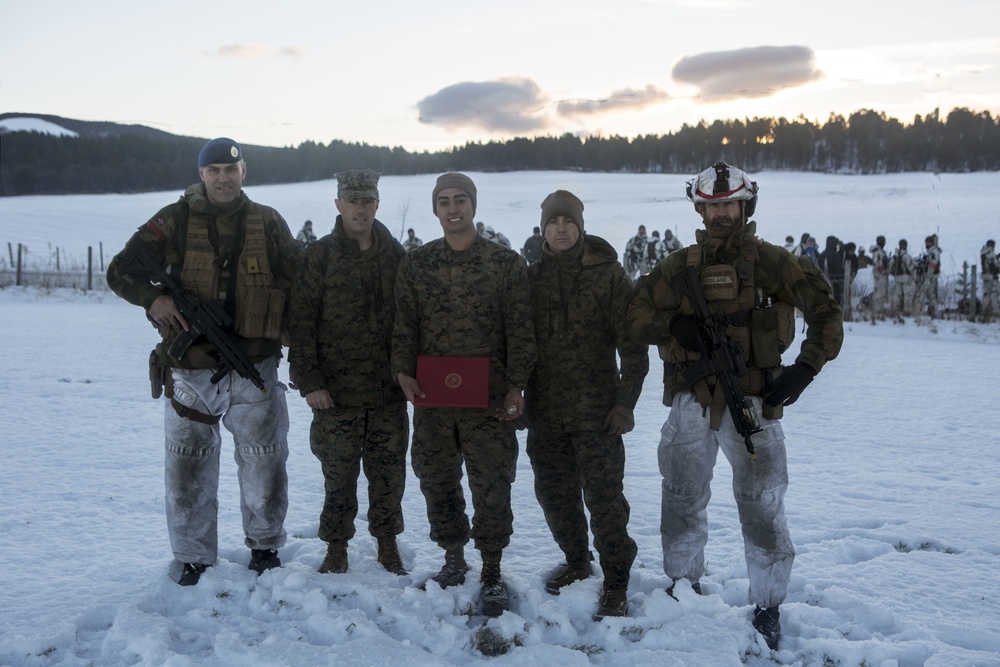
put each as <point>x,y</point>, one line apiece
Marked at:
<point>848,307</point>
<point>18,279</point>
<point>10,251</point>
<point>90,268</point>
<point>972,290</point>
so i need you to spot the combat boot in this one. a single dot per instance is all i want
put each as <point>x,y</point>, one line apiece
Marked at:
<point>614,602</point>
<point>336,558</point>
<point>767,623</point>
<point>493,592</point>
<point>567,574</point>
<point>191,573</point>
<point>388,555</point>
<point>263,559</point>
<point>453,571</point>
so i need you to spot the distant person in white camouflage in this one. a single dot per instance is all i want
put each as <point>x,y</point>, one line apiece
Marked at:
<point>654,253</point>
<point>902,269</point>
<point>930,269</point>
<point>579,403</point>
<point>879,261</point>
<point>342,313</point>
<point>990,266</point>
<point>411,242</point>
<point>670,242</point>
<point>306,234</point>
<point>635,250</point>
<point>790,244</point>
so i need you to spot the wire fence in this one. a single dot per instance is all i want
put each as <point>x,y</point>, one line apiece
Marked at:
<point>54,268</point>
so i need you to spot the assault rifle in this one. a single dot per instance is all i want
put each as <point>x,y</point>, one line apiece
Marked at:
<point>204,319</point>
<point>720,357</point>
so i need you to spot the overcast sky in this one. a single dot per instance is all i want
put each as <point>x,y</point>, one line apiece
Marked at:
<point>428,75</point>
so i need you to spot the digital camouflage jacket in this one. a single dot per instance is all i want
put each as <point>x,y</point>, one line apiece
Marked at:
<point>342,312</point>
<point>166,235</point>
<point>471,303</point>
<point>579,302</point>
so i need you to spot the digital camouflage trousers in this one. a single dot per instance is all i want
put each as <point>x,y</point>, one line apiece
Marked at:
<point>576,469</point>
<point>344,439</point>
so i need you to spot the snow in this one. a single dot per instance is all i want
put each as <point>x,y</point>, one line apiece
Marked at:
<point>893,504</point>
<point>26,124</point>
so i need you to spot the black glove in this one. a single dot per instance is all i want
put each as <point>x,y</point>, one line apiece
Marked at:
<point>686,331</point>
<point>787,388</point>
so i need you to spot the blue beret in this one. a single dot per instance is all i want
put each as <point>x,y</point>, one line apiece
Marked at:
<point>220,151</point>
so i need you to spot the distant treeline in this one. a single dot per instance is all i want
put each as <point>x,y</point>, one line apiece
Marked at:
<point>866,142</point>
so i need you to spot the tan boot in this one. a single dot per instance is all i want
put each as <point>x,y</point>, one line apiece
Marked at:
<point>336,558</point>
<point>388,555</point>
<point>455,567</point>
<point>567,574</point>
<point>614,602</point>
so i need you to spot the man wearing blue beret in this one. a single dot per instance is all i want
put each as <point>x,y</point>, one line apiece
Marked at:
<point>241,256</point>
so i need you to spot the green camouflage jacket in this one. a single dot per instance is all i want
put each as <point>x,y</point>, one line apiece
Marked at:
<point>472,303</point>
<point>780,277</point>
<point>579,302</point>
<point>342,311</point>
<point>166,233</point>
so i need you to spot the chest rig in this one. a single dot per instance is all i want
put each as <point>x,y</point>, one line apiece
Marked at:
<point>230,264</point>
<point>748,316</point>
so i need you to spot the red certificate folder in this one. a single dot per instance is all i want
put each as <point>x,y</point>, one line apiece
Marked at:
<point>453,382</point>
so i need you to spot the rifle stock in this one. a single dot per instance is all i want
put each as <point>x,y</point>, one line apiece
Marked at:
<point>209,320</point>
<point>721,357</point>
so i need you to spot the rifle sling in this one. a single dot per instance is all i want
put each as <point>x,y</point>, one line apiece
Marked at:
<point>192,414</point>
<point>708,397</point>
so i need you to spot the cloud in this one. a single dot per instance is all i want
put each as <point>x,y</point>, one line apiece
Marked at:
<point>251,52</point>
<point>752,72</point>
<point>626,99</point>
<point>504,105</point>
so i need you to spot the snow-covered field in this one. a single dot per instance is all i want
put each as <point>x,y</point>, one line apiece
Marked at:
<point>894,501</point>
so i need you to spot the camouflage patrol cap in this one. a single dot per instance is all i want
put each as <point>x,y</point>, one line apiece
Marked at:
<point>357,184</point>
<point>564,203</point>
<point>220,151</point>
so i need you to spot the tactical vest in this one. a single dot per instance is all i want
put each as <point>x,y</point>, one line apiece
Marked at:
<point>763,328</point>
<point>259,306</point>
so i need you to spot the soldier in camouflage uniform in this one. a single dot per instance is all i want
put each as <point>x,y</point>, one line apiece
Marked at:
<point>579,404</point>
<point>879,260</point>
<point>752,288</point>
<point>465,296</point>
<point>903,270</point>
<point>242,255</point>
<point>342,310</point>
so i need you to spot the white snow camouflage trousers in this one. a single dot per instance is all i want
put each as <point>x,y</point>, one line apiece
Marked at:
<point>687,454</point>
<point>259,424</point>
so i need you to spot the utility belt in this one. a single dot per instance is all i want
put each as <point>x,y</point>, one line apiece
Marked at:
<point>161,383</point>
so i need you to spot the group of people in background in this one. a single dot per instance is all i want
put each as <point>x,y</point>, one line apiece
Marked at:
<point>563,332</point>
<point>643,252</point>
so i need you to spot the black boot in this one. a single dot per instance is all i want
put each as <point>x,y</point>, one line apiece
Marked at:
<point>766,622</point>
<point>493,592</point>
<point>191,573</point>
<point>263,559</point>
<point>454,569</point>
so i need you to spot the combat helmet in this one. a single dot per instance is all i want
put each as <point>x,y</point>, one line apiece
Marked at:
<point>720,183</point>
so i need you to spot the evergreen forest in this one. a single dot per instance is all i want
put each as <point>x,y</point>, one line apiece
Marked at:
<point>110,158</point>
